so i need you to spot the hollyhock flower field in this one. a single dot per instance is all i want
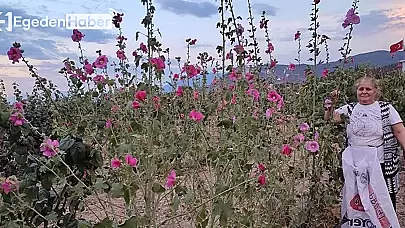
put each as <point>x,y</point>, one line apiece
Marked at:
<point>244,150</point>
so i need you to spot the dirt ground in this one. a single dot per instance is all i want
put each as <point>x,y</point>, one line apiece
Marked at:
<point>401,200</point>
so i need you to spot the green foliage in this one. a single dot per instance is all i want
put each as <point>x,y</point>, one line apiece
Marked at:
<point>125,160</point>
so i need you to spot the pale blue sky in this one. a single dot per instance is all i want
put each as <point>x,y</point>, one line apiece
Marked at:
<point>382,23</point>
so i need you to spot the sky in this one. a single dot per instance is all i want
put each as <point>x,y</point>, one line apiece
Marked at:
<point>382,24</point>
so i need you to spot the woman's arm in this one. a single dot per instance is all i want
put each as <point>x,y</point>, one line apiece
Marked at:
<point>399,132</point>
<point>336,116</point>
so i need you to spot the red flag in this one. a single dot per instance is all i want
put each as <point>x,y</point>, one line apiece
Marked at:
<point>397,47</point>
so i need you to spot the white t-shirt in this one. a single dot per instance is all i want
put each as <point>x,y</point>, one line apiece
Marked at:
<point>365,127</point>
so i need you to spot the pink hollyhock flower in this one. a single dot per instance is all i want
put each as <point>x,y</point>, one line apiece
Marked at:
<point>18,106</point>
<point>49,148</point>
<point>115,163</point>
<point>196,116</point>
<point>325,73</point>
<point>77,35</point>
<point>10,184</point>
<point>99,78</point>
<point>136,105</point>
<point>254,93</point>
<point>351,18</point>
<point>287,150</point>
<point>179,91</point>
<point>131,161</point>
<point>6,187</point>
<point>101,62</point>
<point>249,76</point>
<point>191,70</point>
<point>262,179</point>
<point>176,76</point>
<point>297,35</point>
<point>108,123</point>
<point>143,48</point>
<point>299,138</point>
<point>121,55</point>
<point>171,179</point>
<point>269,112</point>
<point>17,118</point>
<point>273,63</point>
<point>261,167</point>
<point>304,127</point>
<point>141,95</point>
<point>273,96</point>
<point>14,54</point>
<point>158,63</point>
<point>312,146</point>
<point>232,76</point>
<point>270,48</point>
<point>88,68</point>
<point>291,67</point>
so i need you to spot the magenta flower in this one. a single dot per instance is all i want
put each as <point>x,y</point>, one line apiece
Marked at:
<point>131,161</point>
<point>304,127</point>
<point>158,63</point>
<point>196,116</point>
<point>115,163</point>
<point>17,118</point>
<point>101,62</point>
<point>77,35</point>
<point>351,18</point>
<point>297,35</point>
<point>121,55</point>
<point>18,106</point>
<point>14,54</point>
<point>49,148</point>
<point>141,95</point>
<point>171,179</point>
<point>273,96</point>
<point>312,146</point>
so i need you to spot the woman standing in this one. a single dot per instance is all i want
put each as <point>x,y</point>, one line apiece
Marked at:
<point>374,124</point>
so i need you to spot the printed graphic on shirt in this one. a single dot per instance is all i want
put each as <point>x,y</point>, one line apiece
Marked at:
<point>364,124</point>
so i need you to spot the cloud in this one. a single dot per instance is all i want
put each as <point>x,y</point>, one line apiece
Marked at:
<point>258,8</point>
<point>43,43</point>
<point>95,35</point>
<point>378,21</point>
<point>183,7</point>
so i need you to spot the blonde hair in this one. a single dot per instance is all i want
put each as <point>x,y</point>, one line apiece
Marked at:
<point>373,82</point>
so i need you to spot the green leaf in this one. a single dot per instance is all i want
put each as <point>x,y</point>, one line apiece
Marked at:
<point>117,190</point>
<point>130,223</point>
<point>158,188</point>
<point>101,184</point>
<point>127,195</point>
<point>227,123</point>
<point>106,223</point>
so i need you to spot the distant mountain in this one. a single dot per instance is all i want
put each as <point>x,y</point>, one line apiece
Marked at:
<point>375,59</point>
